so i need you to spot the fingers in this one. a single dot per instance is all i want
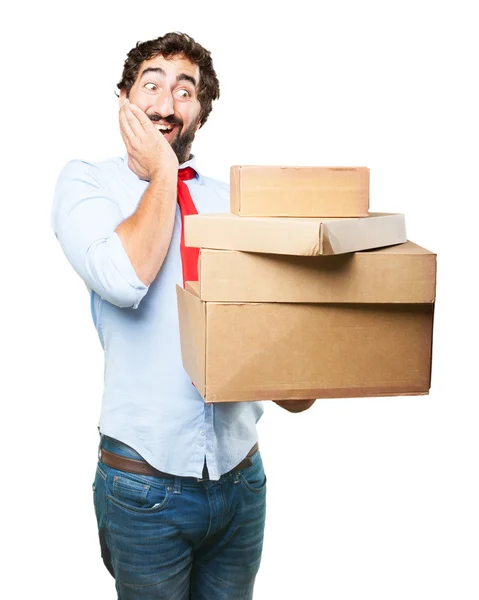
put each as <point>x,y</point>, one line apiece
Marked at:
<point>136,118</point>
<point>145,122</point>
<point>133,121</point>
<point>130,123</point>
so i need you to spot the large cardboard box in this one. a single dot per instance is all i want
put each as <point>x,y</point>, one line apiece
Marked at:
<point>299,191</point>
<point>300,237</point>
<point>404,273</point>
<point>278,351</point>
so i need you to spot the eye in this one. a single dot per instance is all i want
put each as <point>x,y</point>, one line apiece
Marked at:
<point>150,86</point>
<point>183,93</point>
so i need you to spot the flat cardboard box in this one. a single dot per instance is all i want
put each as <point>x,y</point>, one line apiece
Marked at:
<point>271,191</point>
<point>237,352</point>
<point>404,273</point>
<point>300,237</point>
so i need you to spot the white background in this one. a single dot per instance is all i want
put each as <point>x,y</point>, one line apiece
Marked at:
<point>367,498</point>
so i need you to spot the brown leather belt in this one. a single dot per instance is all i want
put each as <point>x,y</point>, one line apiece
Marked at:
<point>139,467</point>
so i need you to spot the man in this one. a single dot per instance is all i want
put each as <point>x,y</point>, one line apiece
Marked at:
<point>180,488</point>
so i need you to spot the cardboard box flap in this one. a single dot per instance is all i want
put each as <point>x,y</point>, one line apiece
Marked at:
<point>192,321</point>
<point>294,236</point>
<point>350,234</point>
<point>193,287</point>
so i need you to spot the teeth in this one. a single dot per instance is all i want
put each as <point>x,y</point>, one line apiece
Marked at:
<point>164,127</point>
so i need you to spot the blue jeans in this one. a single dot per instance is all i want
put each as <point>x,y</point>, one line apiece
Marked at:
<point>179,538</point>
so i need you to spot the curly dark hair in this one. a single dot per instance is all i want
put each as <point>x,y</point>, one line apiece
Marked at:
<point>170,45</point>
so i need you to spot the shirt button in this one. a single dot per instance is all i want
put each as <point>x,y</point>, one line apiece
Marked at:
<point>202,432</point>
<point>201,444</point>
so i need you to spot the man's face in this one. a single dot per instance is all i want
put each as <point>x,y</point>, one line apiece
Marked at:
<point>166,90</point>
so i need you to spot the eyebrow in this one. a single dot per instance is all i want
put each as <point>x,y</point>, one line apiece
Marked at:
<point>160,71</point>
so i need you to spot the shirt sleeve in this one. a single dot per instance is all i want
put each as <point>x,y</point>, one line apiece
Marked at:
<point>84,218</point>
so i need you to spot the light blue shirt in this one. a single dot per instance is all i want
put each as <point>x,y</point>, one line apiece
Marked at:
<point>149,401</point>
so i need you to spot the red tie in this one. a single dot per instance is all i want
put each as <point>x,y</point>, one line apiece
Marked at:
<point>189,256</point>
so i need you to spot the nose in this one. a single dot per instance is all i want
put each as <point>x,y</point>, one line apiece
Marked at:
<point>164,103</point>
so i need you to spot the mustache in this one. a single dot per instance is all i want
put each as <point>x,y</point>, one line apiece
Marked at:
<point>171,120</point>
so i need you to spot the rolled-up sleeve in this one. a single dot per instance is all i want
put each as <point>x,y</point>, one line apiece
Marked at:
<point>84,218</point>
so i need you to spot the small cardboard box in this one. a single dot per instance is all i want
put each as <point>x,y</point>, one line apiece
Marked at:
<point>269,191</point>
<point>237,352</point>
<point>404,273</point>
<point>300,237</point>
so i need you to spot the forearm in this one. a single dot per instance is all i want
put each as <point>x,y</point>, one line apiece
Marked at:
<point>146,234</point>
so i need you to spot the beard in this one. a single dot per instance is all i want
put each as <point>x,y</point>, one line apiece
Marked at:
<point>181,145</point>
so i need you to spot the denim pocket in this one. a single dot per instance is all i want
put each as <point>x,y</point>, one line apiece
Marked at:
<point>254,477</point>
<point>137,493</point>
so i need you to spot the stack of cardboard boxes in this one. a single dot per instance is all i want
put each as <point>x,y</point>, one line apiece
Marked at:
<point>303,293</point>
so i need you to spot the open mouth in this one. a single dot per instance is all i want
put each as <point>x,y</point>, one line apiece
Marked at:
<point>166,130</point>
